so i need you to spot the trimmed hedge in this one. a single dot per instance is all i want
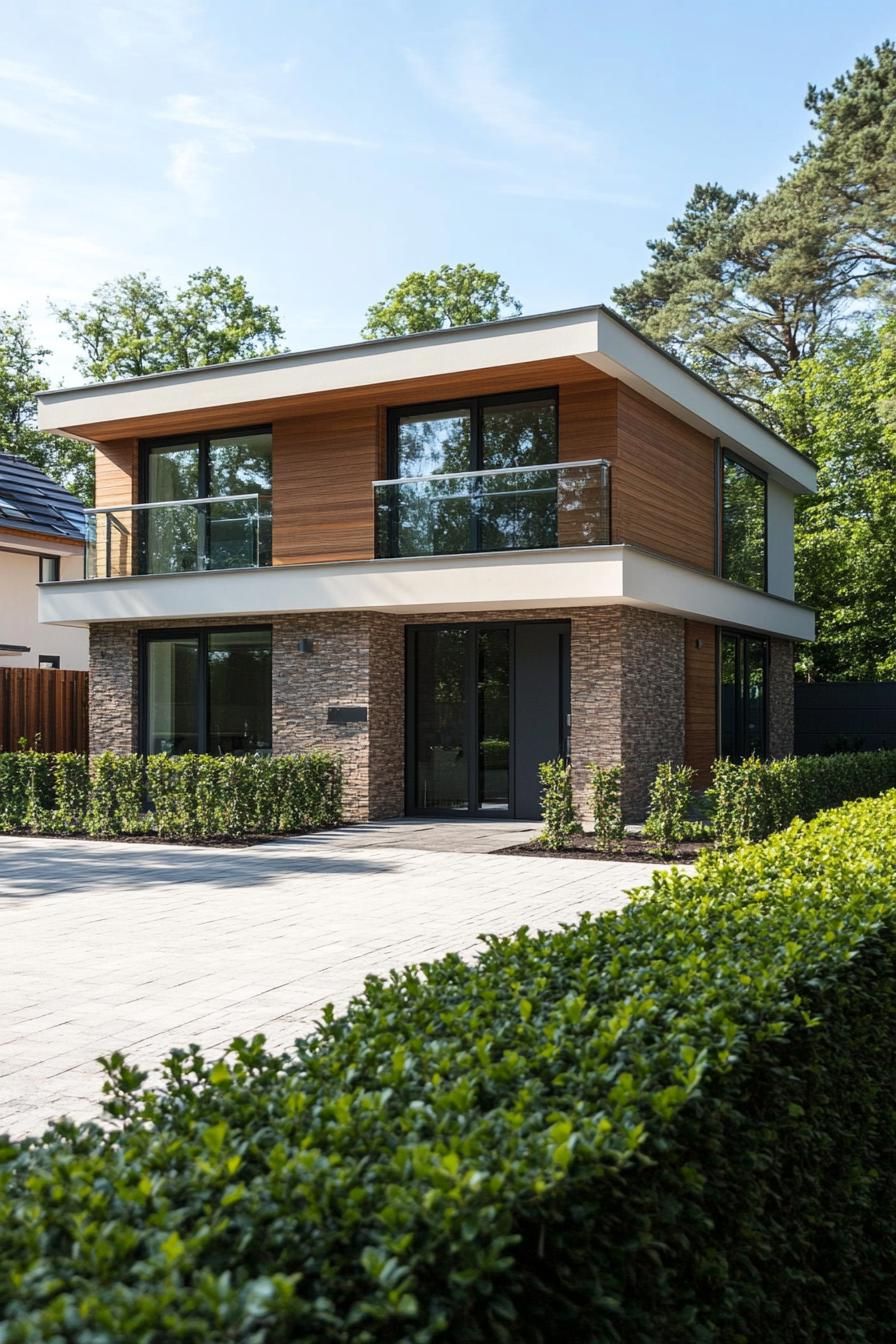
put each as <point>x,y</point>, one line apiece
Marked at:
<point>179,797</point>
<point>753,798</point>
<point>671,1123</point>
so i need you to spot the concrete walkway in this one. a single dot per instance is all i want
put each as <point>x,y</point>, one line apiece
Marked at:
<point>141,948</point>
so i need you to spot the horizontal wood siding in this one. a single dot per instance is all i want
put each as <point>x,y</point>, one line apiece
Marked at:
<point>46,707</point>
<point>116,473</point>
<point>324,466</point>
<point>664,483</point>
<point>700,698</point>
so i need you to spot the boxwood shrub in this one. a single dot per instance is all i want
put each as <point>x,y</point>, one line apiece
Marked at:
<point>673,1123</point>
<point>183,797</point>
<point>752,798</point>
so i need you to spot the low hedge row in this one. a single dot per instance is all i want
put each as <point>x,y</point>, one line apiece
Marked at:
<point>181,797</point>
<point>751,799</point>
<point>671,1123</point>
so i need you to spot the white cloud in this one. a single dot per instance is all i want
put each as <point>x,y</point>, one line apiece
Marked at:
<point>190,172</point>
<point>474,80</point>
<point>30,77</point>
<point>241,130</point>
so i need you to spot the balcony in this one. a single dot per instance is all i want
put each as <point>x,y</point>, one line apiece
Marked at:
<point>184,536</point>
<point>507,509</point>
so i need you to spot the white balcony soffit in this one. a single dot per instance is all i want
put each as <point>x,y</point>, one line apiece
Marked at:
<point>504,581</point>
<point>593,334</point>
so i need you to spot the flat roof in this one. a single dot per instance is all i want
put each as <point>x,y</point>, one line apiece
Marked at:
<point>594,333</point>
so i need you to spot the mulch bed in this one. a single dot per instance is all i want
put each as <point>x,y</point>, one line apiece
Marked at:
<point>217,842</point>
<point>631,850</point>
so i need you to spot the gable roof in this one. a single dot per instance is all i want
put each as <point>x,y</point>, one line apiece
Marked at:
<point>31,502</point>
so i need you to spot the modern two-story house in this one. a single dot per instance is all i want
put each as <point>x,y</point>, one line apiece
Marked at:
<point>446,556</point>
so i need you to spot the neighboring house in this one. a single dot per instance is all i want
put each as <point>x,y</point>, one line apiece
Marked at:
<point>41,541</point>
<point>448,556</point>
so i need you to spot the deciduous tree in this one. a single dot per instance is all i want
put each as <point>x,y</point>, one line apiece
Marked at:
<point>452,296</point>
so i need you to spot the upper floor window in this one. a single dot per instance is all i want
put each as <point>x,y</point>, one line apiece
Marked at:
<point>487,501</point>
<point>744,524</point>
<point>228,531</point>
<point>49,569</point>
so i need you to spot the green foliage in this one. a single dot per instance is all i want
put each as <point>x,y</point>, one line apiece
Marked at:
<point>841,407</point>
<point>133,326</point>
<point>452,296</point>
<point>558,815</point>
<point>629,1130</point>
<point>751,799</point>
<point>606,804</point>
<point>116,796</point>
<point>66,461</point>
<point>187,797</point>
<point>670,797</point>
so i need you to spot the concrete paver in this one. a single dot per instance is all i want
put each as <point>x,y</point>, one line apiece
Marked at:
<point>141,948</point>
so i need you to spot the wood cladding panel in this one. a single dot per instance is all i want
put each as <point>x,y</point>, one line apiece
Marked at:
<point>663,483</point>
<point>700,691</point>
<point>46,706</point>
<point>116,473</point>
<point>323,469</point>
<point>407,392</point>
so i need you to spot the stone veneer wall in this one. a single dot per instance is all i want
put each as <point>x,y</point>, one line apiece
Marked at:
<point>780,698</point>
<point>627,693</point>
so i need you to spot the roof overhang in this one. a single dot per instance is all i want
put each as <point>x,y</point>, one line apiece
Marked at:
<point>498,581</point>
<point>593,334</point>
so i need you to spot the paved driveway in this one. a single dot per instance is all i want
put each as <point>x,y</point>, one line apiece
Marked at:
<point>145,947</point>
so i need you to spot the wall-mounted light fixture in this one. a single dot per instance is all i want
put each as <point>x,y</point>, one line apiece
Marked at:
<point>698,643</point>
<point>305,646</point>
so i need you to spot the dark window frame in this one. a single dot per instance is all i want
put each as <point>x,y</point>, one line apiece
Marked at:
<point>742,638</point>
<point>55,561</point>
<point>201,634</point>
<point>202,441</point>
<point>475,406</point>
<point>724,454</point>
<point>49,660</point>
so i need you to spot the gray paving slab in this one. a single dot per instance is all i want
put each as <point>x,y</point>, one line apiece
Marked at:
<point>141,948</point>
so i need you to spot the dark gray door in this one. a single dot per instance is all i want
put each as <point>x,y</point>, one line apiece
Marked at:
<point>540,707</point>
<point>487,703</point>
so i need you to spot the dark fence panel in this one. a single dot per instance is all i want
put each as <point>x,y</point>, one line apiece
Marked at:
<point>844,716</point>
<point>46,706</point>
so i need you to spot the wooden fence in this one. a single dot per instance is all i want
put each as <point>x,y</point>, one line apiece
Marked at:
<point>45,706</point>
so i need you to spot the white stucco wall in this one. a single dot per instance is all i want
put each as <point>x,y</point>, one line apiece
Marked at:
<point>780,540</point>
<point>18,614</point>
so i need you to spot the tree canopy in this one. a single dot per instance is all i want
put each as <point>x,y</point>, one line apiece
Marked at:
<point>22,376</point>
<point>133,326</point>
<point>452,296</point>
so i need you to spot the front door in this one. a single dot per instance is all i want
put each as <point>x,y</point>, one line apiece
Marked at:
<point>486,705</point>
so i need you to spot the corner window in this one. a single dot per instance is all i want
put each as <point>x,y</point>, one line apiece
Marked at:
<point>743,696</point>
<point>429,515</point>
<point>207,691</point>
<point>49,569</point>
<point>744,524</point>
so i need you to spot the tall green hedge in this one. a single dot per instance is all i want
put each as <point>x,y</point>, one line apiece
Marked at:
<point>751,799</point>
<point>182,797</point>
<point>673,1123</point>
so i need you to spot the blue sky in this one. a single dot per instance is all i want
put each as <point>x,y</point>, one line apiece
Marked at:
<point>326,149</point>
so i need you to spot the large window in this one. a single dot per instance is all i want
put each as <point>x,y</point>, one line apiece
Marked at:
<point>207,691</point>
<point>744,524</point>
<point>743,675</point>
<point>229,534</point>
<point>512,511</point>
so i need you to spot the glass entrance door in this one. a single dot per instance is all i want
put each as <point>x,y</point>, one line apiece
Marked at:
<point>486,704</point>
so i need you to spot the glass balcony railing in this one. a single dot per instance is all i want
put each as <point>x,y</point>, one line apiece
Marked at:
<point>508,509</point>
<point>180,536</point>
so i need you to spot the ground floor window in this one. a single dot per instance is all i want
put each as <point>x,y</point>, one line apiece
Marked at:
<point>206,691</point>
<point>743,695</point>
